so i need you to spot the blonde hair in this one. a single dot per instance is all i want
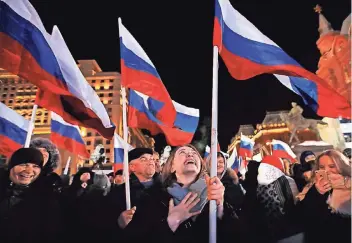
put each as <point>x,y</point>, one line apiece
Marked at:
<point>342,163</point>
<point>167,176</point>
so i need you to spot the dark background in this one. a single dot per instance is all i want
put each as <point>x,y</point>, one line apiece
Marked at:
<point>177,37</point>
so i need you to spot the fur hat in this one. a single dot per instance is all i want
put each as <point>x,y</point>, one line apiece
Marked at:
<point>138,152</point>
<point>26,155</point>
<point>54,154</point>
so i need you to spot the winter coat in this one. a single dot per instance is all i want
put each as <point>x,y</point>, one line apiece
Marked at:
<point>234,195</point>
<point>116,204</point>
<point>149,223</point>
<point>320,224</point>
<point>27,213</point>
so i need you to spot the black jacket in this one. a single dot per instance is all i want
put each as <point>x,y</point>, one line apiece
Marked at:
<point>27,213</point>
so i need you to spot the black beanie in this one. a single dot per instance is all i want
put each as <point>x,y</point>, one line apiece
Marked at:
<point>26,155</point>
<point>138,152</point>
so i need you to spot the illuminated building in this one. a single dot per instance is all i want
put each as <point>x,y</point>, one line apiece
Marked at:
<point>19,95</point>
<point>272,127</point>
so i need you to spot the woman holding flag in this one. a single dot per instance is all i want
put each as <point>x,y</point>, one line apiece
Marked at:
<point>179,212</point>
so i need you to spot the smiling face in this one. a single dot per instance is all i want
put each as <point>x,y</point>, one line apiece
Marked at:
<point>186,162</point>
<point>220,165</point>
<point>24,174</point>
<point>326,163</point>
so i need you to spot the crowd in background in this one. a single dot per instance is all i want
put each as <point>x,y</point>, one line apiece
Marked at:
<point>274,201</point>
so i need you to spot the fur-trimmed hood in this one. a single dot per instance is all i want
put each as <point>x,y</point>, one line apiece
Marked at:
<point>54,154</point>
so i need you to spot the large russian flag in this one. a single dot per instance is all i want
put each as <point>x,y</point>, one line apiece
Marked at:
<point>282,150</point>
<point>119,152</point>
<point>247,52</point>
<point>139,73</point>
<point>28,51</point>
<point>141,114</point>
<point>67,136</point>
<point>13,130</point>
<point>246,147</point>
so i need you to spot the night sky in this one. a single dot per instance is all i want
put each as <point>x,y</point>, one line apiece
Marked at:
<point>177,37</point>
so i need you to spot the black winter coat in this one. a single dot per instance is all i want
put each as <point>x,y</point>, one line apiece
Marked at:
<point>27,213</point>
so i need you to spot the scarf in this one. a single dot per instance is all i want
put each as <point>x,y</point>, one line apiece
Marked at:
<point>340,201</point>
<point>178,193</point>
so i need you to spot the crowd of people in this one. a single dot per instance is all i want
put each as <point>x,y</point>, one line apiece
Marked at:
<point>274,201</point>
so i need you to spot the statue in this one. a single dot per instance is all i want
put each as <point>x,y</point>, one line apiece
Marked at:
<point>296,122</point>
<point>165,155</point>
<point>335,48</point>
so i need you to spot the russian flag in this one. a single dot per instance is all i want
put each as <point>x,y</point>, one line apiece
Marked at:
<point>13,130</point>
<point>67,136</point>
<point>208,149</point>
<point>141,114</point>
<point>247,53</point>
<point>236,164</point>
<point>282,150</point>
<point>139,73</point>
<point>119,152</point>
<point>246,147</point>
<point>28,51</point>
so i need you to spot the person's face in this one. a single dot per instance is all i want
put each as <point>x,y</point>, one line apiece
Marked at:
<point>221,165</point>
<point>310,158</point>
<point>157,163</point>
<point>45,155</point>
<point>119,179</point>
<point>24,174</point>
<point>143,166</point>
<point>186,161</point>
<point>327,164</point>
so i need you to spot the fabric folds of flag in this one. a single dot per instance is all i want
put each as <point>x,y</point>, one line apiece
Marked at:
<point>282,150</point>
<point>246,147</point>
<point>139,73</point>
<point>119,152</point>
<point>67,136</point>
<point>247,53</point>
<point>13,130</point>
<point>28,51</point>
<point>141,114</point>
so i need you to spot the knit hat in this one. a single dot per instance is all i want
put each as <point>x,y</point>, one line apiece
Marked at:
<point>138,152</point>
<point>26,155</point>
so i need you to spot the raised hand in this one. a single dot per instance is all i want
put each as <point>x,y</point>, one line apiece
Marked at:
<point>337,181</point>
<point>322,185</point>
<point>215,189</point>
<point>181,212</point>
<point>126,217</point>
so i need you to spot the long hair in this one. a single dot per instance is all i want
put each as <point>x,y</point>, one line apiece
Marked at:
<point>341,162</point>
<point>168,177</point>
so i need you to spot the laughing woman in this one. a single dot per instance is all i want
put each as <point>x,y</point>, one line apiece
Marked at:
<point>179,212</point>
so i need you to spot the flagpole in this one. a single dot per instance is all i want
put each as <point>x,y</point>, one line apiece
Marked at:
<point>125,146</point>
<point>214,142</point>
<point>31,126</point>
<point>67,166</point>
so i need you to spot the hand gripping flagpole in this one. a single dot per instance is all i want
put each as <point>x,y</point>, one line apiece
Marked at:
<point>125,145</point>
<point>214,143</point>
<point>31,126</point>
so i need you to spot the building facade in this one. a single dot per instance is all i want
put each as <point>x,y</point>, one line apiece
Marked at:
<point>19,95</point>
